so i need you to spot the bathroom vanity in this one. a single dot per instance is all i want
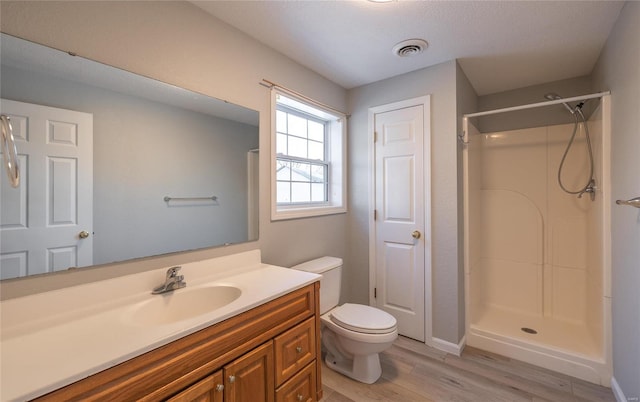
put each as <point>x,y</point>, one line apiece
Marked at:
<point>263,345</point>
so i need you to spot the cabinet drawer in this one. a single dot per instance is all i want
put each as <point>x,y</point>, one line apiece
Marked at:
<point>294,349</point>
<point>300,388</point>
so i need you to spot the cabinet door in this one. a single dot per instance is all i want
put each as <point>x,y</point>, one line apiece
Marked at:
<point>250,378</point>
<point>206,390</point>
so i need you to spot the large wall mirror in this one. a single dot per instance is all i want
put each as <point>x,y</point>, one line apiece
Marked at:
<point>116,166</point>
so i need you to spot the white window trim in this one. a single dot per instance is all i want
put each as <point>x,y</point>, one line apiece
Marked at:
<point>337,189</point>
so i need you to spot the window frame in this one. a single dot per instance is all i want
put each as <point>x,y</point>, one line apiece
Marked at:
<point>293,159</point>
<point>335,158</point>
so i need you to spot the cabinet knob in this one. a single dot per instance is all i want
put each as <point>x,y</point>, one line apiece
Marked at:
<point>219,388</point>
<point>300,397</point>
<point>232,379</point>
<point>299,349</point>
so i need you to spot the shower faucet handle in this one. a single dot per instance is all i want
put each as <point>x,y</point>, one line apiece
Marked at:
<point>634,202</point>
<point>590,189</point>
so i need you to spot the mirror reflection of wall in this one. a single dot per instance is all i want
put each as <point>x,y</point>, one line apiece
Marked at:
<point>143,150</point>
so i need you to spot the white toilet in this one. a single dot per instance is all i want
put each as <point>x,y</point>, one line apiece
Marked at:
<point>352,334</point>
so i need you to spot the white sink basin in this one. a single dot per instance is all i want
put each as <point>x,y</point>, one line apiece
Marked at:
<point>181,304</point>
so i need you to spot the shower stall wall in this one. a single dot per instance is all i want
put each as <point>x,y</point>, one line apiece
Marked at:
<point>537,259</point>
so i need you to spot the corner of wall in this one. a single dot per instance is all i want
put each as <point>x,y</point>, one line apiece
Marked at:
<point>617,391</point>
<point>618,70</point>
<point>466,102</point>
<point>449,347</point>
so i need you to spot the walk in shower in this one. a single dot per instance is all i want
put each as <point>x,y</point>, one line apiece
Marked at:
<point>537,258</point>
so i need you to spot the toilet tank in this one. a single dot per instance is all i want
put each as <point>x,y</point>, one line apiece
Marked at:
<point>331,270</point>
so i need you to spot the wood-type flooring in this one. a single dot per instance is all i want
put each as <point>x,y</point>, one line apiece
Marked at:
<point>412,371</point>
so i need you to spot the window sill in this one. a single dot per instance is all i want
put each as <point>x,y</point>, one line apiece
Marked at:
<point>308,212</point>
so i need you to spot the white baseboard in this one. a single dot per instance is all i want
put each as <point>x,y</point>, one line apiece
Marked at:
<point>449,347</point>
<point>617,391</point>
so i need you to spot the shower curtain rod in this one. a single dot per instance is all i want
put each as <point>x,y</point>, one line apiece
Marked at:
<point>539,104</point>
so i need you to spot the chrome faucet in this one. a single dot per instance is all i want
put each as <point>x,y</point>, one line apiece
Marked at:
<point>172,282</point>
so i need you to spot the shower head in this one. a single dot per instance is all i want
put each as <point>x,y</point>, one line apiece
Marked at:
<point>555,96</point>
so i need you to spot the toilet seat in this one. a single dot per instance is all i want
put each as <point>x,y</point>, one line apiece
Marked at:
<point>356,336</point>
<point>363,319</point>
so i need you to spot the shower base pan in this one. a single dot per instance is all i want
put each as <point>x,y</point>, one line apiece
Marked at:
<point>557,345</point>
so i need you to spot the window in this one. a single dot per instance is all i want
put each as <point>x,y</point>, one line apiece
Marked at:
<point>308,161</point>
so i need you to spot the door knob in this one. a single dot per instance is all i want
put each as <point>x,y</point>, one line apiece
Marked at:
<point>83,235</point>
<point>416,234</point>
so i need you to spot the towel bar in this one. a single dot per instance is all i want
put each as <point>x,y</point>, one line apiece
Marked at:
<point>212,198</point>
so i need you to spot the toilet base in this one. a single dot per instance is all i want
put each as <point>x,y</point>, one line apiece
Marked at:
<point>365,369</point>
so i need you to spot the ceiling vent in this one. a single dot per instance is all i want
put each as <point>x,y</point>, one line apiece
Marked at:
<point>410,47</point>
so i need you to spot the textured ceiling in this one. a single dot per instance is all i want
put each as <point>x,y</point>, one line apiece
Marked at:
<point>501,45</point>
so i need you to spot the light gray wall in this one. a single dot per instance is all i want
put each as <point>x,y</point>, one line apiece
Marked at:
<point>144,150</point>
<point>550,115</point>
<point>178,43</point>
<point>618,70</point>
<point>440,82</point>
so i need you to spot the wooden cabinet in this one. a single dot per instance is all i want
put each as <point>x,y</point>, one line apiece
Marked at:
<point>268,353</point>
<point>300,388</point>
<point>211,389</point>
<point>250,378</point>
<point>295,368</point>
<point>294,350</point>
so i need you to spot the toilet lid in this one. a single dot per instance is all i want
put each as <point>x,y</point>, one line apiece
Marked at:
<point>365,319</point>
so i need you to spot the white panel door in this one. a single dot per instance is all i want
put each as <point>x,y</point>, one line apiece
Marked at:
<point>400,217</point>
<point>41,220</point>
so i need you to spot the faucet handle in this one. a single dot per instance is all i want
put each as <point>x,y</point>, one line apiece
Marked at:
<point>173,271</point>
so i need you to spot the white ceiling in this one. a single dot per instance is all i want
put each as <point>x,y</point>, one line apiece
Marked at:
<point>501,45</point>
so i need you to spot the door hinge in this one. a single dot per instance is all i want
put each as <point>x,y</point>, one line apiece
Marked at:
<point>375,293</point>
<point>375,214</point>
<point>375,136</point>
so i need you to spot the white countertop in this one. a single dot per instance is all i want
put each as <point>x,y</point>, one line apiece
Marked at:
<point>55,338</point>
